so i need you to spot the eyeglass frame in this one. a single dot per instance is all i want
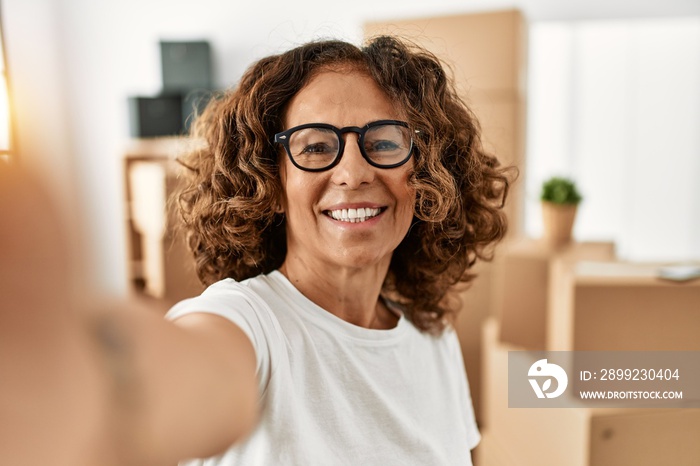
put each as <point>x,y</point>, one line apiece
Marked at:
<point>284,136</point>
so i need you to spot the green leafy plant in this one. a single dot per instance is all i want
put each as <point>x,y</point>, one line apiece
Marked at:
<point>558,190</point>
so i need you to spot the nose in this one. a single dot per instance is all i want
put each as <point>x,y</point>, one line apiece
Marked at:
<point>352,169</point>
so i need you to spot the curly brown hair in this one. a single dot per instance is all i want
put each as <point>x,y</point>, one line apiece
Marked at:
<point>230,202</point>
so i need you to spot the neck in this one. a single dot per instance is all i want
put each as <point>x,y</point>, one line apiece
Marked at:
<point>351,294</point>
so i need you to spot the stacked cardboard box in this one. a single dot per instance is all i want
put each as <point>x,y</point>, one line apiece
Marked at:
<point>592,306</point>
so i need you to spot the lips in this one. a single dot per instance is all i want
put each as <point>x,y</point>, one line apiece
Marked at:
<point>359,215</point>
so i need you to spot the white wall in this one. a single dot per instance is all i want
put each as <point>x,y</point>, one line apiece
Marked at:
<point>39,100</point>
<point>74,62</point>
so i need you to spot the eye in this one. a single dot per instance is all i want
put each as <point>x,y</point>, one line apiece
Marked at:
<point>382,146</point>
<point>388,142</point>
<point>317,148</point>
<point>313,142</point>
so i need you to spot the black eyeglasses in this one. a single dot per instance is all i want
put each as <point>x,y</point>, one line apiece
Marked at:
<point>315,147</point>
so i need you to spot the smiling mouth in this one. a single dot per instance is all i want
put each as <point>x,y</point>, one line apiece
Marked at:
<point>354,215</point>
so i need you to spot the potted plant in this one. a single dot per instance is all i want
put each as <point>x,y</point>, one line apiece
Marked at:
<point>560,200</point>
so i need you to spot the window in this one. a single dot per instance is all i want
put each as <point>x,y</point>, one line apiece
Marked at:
<point>616,106</point>
<point>5,121</point>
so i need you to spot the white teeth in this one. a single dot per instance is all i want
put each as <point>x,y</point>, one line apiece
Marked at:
<point>354,215</point>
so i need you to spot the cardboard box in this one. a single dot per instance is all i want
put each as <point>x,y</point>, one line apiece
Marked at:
<point>529,272</point>
<point>576,436</point>
<point>619,306</point>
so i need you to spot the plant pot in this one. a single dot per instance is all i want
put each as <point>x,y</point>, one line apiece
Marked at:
<point>558,222</point>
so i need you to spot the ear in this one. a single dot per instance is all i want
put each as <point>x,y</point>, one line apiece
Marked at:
<point>280,204</point>
<point>281,201</point>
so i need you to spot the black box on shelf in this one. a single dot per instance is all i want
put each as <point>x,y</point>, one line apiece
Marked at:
<point>186,65</point>
<point>156,116</point>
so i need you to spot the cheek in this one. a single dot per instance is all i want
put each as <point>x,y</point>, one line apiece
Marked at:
<point>409,191</point>
<point>299,190</point>
<point>291,187</point>
<point>409,206</point>
<point>406,202</point>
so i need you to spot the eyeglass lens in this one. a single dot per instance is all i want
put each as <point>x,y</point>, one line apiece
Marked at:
<point>317,148</point>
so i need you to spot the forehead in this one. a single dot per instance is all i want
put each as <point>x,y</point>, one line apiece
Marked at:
<point>341,97</point>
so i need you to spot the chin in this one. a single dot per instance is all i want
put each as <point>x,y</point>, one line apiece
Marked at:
<point>361,259</point>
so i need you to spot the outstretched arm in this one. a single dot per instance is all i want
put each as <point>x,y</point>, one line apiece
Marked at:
<point>178,390</point>
<point>118,386</point>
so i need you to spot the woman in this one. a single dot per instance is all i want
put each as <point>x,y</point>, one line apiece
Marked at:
<point>339,193</point>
